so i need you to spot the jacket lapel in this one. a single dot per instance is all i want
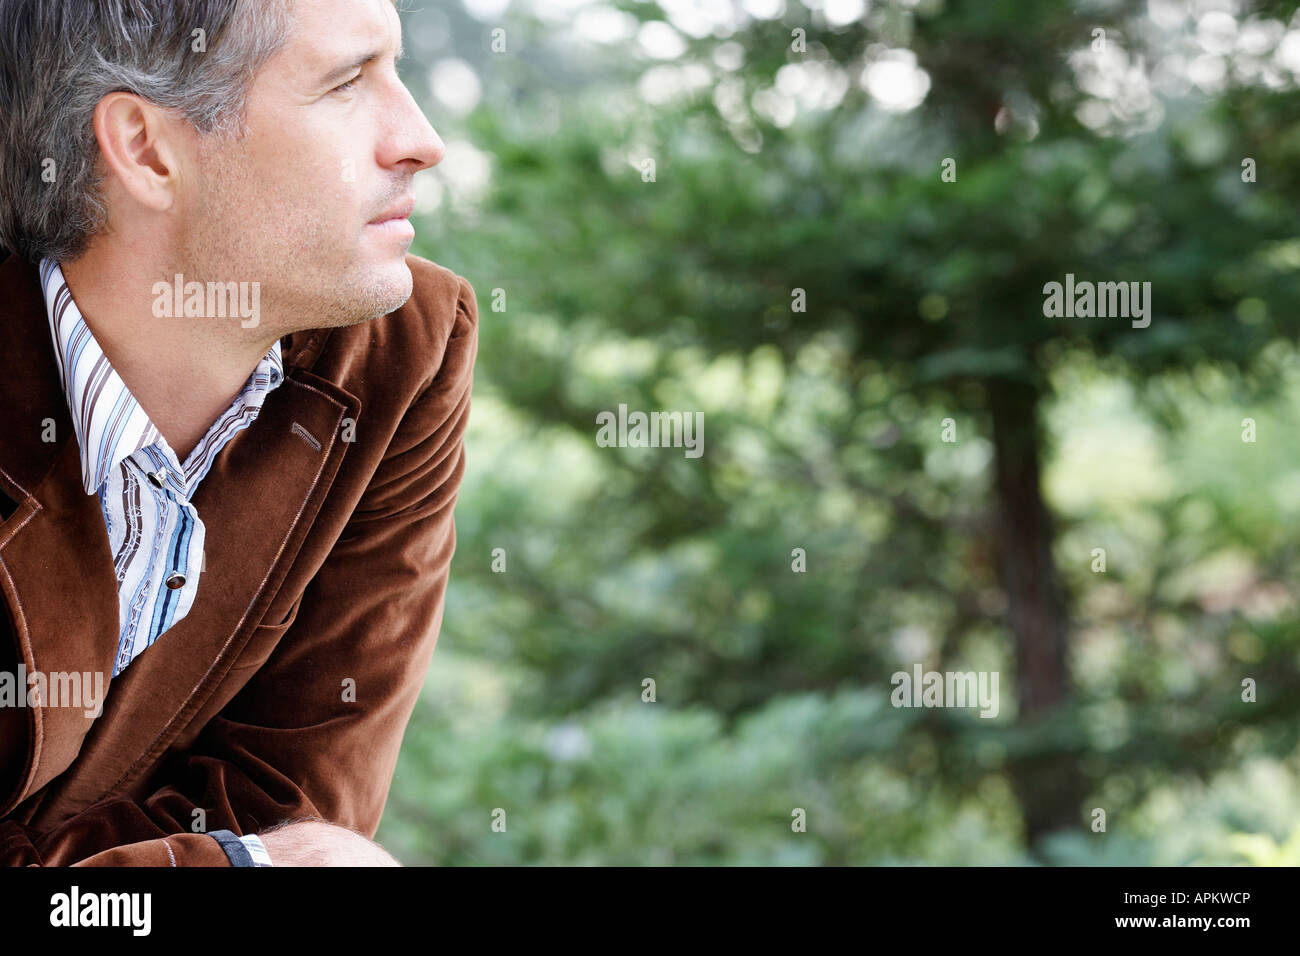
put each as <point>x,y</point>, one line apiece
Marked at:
<point>56,571</point>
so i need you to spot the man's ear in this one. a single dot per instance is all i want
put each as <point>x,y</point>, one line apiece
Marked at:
<point>140,145</point>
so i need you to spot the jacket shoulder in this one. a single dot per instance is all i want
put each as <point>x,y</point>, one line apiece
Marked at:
<point>442,308</point>
<point>436,292</point>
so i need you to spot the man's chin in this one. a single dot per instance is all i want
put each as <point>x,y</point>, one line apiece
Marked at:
<point>371,291</point>
<point>397,283</point>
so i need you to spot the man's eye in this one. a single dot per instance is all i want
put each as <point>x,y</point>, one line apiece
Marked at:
<point>348,86</point>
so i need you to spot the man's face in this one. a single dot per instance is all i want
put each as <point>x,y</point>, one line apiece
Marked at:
<point>333,142</point>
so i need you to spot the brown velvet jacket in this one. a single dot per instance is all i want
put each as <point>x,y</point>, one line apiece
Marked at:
<point>329,538</point>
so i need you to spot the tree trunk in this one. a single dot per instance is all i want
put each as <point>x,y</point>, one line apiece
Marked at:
<point>1048,787</point>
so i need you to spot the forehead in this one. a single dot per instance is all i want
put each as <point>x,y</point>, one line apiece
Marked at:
<point>323,32</point>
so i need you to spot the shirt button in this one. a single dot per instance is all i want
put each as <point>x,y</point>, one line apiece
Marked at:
<point>157,478</point>
<point>175,580</point>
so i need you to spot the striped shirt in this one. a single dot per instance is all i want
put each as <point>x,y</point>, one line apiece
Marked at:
<point>154,532</point>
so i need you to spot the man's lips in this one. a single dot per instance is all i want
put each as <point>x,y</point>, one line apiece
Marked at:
<point>394,221</point>
<point>402,209</point>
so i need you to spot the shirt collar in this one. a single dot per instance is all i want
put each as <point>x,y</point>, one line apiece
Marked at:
<point>109,423</point>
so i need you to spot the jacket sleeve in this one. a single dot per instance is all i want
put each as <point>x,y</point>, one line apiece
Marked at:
<point>315,732</point>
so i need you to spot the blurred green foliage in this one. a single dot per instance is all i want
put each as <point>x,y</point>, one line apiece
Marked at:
<point>823,432</point>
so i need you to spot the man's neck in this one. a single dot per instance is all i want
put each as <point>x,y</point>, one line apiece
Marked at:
<point>184,372</point>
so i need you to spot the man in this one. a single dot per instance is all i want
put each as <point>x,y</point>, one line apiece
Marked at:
<point>231,429</point>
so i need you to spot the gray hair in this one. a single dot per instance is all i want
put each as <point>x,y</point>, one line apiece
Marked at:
<point>59,58</point>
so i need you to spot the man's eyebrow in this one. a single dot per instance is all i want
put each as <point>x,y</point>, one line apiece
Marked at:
<point>339,72</point>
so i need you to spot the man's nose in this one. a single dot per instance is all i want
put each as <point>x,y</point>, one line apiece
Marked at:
<point>412,140</point>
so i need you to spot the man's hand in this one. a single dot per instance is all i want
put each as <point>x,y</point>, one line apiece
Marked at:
<point>317,843</point>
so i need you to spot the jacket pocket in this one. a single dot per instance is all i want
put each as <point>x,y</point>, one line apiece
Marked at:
<point>264,639</point>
